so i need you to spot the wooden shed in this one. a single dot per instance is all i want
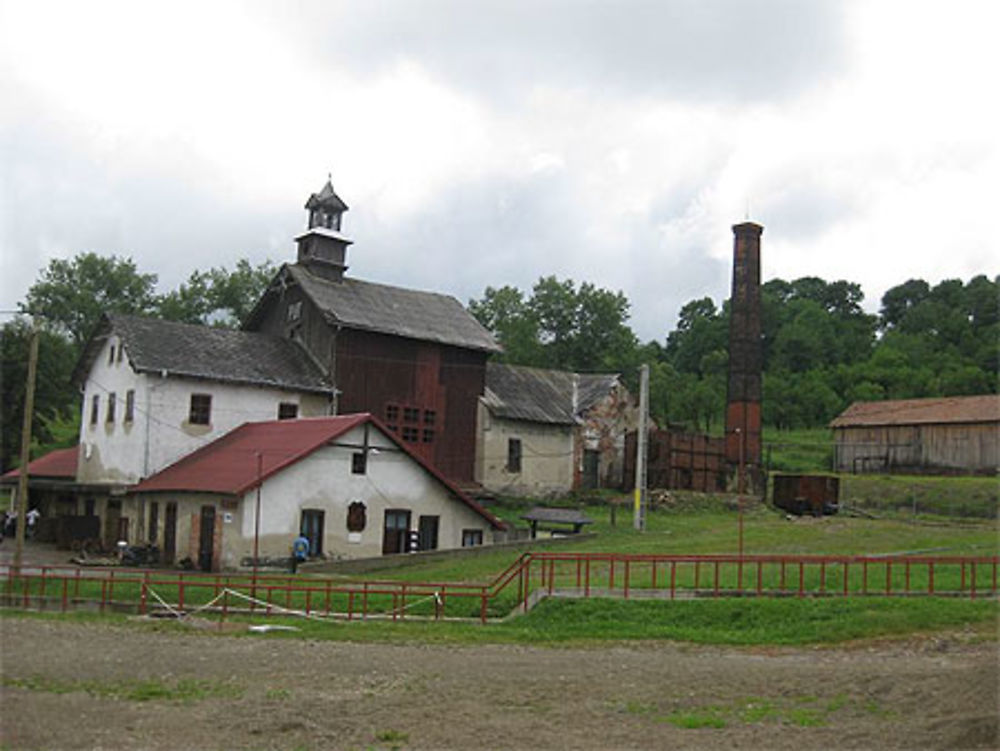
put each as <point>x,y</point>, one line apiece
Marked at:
<point>951,435</point>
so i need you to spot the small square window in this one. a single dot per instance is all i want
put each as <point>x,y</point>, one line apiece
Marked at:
<point>412,435</point>
<point>130,405</point>
<point>201,409</point>
<point>111,408</point>
<point>428,435</point>
<point>288,411</point>
<point>411,414</point>
<point>359,463</point>
<point>392,413</point>
<point>429,416</point>
<point>294,312</point>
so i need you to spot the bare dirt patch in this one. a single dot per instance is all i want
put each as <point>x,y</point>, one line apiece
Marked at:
<point>266,693</point>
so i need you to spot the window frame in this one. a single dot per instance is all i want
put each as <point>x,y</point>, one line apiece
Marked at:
<point>130,405</point>
<point>472,538</point>
<point>95,408</point>
<point>284,407</point>
<point>109,417</point>
<point>200,413</point>
<point>514,455</point>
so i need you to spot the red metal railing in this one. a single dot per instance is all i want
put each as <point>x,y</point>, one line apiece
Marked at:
<point>530,576</point>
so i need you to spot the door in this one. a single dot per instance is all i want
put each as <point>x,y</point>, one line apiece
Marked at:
<point>112,514</point>
<point>206,538</point>
<point>397,524</point>
<point>428,529</point>
<point>312,528</point>
<point>170,533</point>
<point>154,522</point>
<point>591,462</point>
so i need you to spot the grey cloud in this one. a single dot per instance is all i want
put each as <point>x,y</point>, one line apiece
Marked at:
<point>687,49</point>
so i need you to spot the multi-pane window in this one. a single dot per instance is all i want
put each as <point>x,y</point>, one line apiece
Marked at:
<point>130,405</point>
<point>288,411</point>
<point>472,537</point>
<point>95,405</point>
<point>411,434</point>
<point>411,414</point>
<point>392,412</point>
<point>201,409</point>
<point>429,416</point>
<point>428,435</point>
<point>111,408</point>
<point>514,455</point>
<point>419,424</point>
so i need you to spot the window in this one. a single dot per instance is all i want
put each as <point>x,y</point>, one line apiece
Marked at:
<point>154,521</point>
<point>294,311</point>
<point>514,455</point>
<point>392,413</point>
<point>121,348</point>
<point>411,414</point>
<point>288,411</point>
<point>95,405</point>
<point>201,409</point>
<point>111,408</point>
<point>111,355</point>
<point>359,463</point>
<point>130,405</point>
<point>410,434</point>
<point>472,537</point>
<point>429,416</point>
<point>428,435</point>
<point>427,537</point>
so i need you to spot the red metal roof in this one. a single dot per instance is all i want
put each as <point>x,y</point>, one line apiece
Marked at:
<point>953,409</point>
<point>229,465</point>
<point>58,463</point>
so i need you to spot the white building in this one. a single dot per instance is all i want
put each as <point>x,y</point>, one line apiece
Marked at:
<point>154,391</point>
<point>349,484</point>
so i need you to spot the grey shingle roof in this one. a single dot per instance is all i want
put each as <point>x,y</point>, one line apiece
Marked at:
<point>411,313</point>
<point>182,349</point>
<point>943,410</point>
<point>556,397</point>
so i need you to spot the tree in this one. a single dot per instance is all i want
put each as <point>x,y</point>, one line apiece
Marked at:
<point>71,295</point>
<point>218,296</point>
<point>55,401</point>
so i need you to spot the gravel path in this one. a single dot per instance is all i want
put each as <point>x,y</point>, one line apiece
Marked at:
<point>934,692</point>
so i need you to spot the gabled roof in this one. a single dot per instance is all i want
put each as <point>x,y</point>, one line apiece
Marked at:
<point>556,397</point>
<point>229,465</point>
<point>182,349</point>
<point>953,409</point>
<point>60,463</point>
<point>410,313</point>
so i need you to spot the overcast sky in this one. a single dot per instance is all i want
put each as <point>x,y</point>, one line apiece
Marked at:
<point>489,143</point>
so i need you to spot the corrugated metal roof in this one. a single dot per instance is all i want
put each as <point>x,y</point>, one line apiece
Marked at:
<point>556,397</point>
<point>58,463</point>
<point>411,313</point>
<point>952,409</point>
<point>229,465</point>
<point>227,355</point>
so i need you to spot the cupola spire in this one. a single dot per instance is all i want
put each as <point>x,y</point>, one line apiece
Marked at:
<point>322,248</point>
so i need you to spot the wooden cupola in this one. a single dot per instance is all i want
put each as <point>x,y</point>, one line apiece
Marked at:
<point>322,248</point>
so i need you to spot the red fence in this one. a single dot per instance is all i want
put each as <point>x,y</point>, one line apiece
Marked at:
<point>529,578</point>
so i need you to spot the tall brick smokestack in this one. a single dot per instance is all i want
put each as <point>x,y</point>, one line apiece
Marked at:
<point>743,419</point>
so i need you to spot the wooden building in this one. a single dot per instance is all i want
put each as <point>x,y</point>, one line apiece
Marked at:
<point>415,359</point>
<point>959,435</point>
<point>679,461</point>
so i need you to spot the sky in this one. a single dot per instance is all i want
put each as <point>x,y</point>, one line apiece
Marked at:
<point>492,143</point>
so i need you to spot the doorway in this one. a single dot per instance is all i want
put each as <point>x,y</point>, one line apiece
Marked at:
<point>397,525</point>
<point>170,533</point>
<point>591,463</point>
<point>312,529</point>
<point>206,538</point>
<point>427,538</point>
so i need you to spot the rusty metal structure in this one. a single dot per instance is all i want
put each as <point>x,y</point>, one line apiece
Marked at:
<point>679,461</point>
<point>744,393</point>
<point>807,494</point>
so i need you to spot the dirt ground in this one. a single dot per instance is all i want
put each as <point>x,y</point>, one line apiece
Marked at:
<point>936,692</point>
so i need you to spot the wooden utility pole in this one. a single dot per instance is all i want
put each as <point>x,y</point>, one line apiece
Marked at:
<point>22,480</point>
<point>639,515</point>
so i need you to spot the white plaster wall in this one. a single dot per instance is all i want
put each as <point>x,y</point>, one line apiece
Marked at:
<point>546,456</point>
<point>324,481</point>
<point>160,434</point>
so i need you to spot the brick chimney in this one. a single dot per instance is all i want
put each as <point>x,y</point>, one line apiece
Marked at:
<point>743,416</point>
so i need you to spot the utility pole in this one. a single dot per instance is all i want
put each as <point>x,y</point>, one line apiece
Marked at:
<point>22,480</point>
<point>639,516</point>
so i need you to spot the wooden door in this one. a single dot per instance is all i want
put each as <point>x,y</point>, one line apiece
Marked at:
<point>206,538</point>
<point>397,525</point>
<point>170,533</point>
<point>312,530</point>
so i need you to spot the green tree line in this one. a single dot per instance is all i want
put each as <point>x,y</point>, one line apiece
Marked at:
<point>821,350</point>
